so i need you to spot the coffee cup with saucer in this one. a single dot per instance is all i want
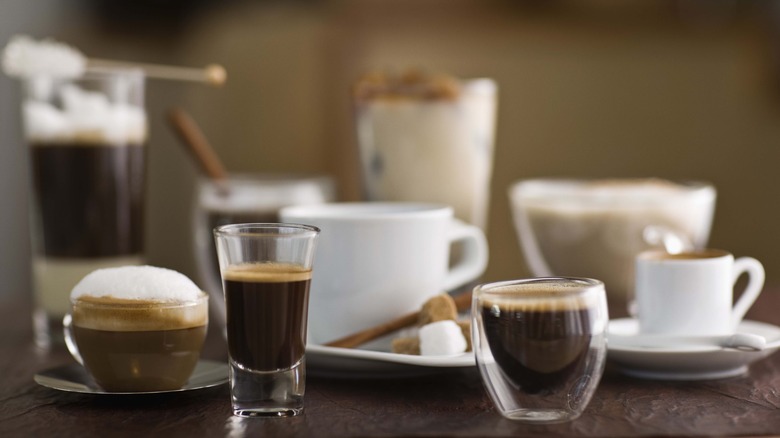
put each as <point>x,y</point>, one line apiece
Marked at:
<point>687,327</point>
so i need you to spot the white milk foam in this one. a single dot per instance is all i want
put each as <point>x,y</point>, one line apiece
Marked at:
<point>147,283</point>
<point>24,57</point>
<point>86,116</point>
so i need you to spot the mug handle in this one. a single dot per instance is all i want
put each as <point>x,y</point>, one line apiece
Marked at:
<point>67,321</point>
<point>473,261</point>
<point>755,271</point>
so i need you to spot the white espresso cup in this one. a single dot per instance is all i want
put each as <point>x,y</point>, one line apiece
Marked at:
<point>691,293</point>
<point>379,261</point>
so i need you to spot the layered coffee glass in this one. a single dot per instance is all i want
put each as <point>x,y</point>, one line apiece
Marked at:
<point>87,140</point>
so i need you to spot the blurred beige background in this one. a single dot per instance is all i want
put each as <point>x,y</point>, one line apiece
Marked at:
<point>674,89</point>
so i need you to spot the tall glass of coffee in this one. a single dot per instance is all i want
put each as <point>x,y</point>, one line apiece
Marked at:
<point>266,273</point>
<point>540,345</point>
<point>87,140</point>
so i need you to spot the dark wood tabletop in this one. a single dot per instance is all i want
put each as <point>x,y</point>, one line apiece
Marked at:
<point>451,403</point>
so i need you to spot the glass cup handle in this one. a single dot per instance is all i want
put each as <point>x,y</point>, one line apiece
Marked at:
<point>69,342</point>
<point>755,271</point>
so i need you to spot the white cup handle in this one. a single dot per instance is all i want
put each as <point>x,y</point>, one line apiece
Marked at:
<point>755,271</point>
<point>69,341</point>
<point>474,258</point>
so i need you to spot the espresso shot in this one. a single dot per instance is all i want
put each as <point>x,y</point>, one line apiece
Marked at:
<point>539,348</point>
<point>266,271</point>
<point>540,345</point>
<point>267,311</point>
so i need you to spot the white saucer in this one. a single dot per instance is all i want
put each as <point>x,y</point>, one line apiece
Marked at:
<point>74,378</point>
<point>359,363</point>
<point>685,362</point>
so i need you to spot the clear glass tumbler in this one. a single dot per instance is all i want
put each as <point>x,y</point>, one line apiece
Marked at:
<point>540,345</point>
<point>266,274</point>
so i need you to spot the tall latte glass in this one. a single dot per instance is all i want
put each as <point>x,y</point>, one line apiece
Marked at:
<point>540,345</point>
<point>86,139</point>
<point>266,273</point>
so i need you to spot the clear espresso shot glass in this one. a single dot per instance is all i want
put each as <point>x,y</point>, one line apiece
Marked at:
<point>540,345</point>
<point>266,274</point>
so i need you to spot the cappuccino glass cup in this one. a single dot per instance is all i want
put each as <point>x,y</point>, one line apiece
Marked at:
<point>266,272</point>
<point>377,261</point>
<point>596,228</point>
<point>429,141</point>
<point>245,198</point>
<point>540,345</point>
<point>691,293</point>
<point>87,139</point>
<point>137,345</point>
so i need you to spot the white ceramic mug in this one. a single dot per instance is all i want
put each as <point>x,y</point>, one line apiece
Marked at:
<point>691,293</point>
<point>379,261</point>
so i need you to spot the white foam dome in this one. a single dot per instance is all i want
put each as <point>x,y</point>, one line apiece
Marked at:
<point>138,283</point>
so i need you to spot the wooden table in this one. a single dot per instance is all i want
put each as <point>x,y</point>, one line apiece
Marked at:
<point>445,404</point>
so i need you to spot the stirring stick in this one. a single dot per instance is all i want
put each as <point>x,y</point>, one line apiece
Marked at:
<point>200,148</point>
<point>462,302</point>
<point>212,74</point>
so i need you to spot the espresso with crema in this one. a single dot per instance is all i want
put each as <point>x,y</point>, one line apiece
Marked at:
<point>139,345</point>
<point>539,347</point>
<point>267,308</point>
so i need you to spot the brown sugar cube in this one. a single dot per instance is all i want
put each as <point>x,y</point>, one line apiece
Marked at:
<point>406,346</point>
<point>465,328</point>
<point>438,308</point>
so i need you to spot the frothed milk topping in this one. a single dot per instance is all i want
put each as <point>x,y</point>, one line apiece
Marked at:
<point>147,283</point>
<point>138,298</point>
<point>85,117</point>
<point>608,193</point>
<point>25,57</point>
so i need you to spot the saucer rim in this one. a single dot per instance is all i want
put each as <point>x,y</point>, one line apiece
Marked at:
<point>50,377</point>
<point>741,328</point>
<point>466,359</point>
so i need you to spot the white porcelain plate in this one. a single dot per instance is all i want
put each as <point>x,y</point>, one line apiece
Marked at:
<point>360,363</point>
<point>685,362</point>
<point>74,378</point>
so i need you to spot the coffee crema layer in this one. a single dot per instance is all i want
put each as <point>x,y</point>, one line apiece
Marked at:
<point>536,297</point>
<point>267,273</point>
<point>127,315</point>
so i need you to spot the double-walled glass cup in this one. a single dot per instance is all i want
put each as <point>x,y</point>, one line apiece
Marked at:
<point>137,345</point>
<point>540,345</point>
<point>266,274</point>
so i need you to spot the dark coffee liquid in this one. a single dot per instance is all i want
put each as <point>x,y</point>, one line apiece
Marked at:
<point>538,349</point>
<point>137,361</point>
<point>266,316</point>
<point>89,199</point>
